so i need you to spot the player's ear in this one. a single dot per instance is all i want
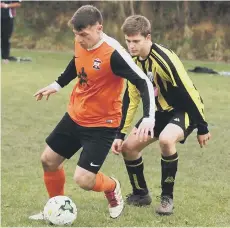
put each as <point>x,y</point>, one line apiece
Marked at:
<point>99,28</point>
<point>148,37</point>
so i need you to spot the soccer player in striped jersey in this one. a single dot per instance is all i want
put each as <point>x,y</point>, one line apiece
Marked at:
<point>179,106</point>
<point>100,67</point>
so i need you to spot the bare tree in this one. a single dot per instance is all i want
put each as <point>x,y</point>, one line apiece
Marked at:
<point>131,7</point>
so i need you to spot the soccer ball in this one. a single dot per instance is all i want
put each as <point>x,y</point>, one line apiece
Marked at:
<point>60,210</point>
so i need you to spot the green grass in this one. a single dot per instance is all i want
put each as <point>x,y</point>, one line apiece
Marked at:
<point>202,186</point>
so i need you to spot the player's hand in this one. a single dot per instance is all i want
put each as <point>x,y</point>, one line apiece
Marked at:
<point>47,91</point>
<point>144,128</point>
<point>117,146</point>
<point>202,139</point>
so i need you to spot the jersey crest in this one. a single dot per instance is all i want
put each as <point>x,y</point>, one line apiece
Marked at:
<point>96,64</point>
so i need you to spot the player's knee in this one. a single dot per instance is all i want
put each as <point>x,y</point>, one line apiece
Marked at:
<point>128,150</point>
<point>45,161</point>
<point>84,182</point>
<point>165,142</point>
<point>48,165</point>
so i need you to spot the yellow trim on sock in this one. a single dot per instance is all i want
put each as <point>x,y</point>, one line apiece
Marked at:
<point>170,160</point>
<point>136,182</point>
<point>134,165</point>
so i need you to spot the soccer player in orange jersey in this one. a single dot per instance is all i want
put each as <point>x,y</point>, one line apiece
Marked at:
<point>100,67</point>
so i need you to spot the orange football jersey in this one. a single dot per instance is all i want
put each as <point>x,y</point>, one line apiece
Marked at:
<point>96,99</point>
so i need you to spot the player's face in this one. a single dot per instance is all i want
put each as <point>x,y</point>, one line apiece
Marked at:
<point>89,36</point>
<point>137,44</point>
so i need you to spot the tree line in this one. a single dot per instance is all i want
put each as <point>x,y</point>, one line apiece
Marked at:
<point>193,29</point>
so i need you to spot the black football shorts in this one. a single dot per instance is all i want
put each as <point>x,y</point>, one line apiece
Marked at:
<point>68,137</point>
<point>179,118</point>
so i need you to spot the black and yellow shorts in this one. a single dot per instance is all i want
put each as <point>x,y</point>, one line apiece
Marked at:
<point>68,137</point>
<point>179,118</point>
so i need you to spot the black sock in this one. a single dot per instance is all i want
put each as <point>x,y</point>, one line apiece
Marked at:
<point>168,173</point>
<point>136,176</point>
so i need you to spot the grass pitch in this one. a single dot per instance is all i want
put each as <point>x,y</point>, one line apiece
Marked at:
<point>202,187</point>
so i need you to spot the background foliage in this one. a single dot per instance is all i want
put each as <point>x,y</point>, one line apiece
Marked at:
<point>195,30</point>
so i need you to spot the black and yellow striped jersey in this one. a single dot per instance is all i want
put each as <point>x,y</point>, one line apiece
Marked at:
<point>173,89</point>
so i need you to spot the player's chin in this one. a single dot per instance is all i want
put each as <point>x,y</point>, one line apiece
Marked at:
<point>134,53</point>
<point>84,46</point>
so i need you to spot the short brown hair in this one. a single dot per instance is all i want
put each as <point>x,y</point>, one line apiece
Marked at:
<point>85,16</point>
<point>136,24</point>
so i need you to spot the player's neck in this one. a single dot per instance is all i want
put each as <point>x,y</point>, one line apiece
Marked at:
<point>98,43</point>
<point>145,52</point>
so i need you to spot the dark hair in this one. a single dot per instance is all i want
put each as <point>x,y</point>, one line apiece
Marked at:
<point>85,16</point>
<point>136,24</point>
